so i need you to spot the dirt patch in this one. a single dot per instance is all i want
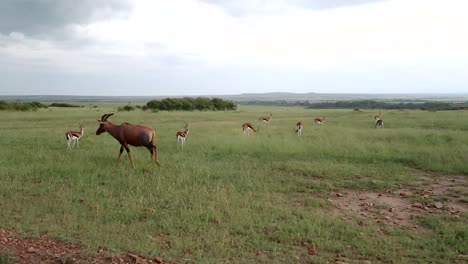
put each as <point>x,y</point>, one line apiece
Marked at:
<point>44,249</point>
<point>431,194</point>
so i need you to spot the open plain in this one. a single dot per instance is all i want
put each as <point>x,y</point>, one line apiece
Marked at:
<point>343,191</point>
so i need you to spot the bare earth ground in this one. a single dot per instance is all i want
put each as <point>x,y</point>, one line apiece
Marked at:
<point>44,249</point>
<point>431,194</point>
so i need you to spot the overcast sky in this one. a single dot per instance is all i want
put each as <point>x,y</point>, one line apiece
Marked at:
<point>208,47</point>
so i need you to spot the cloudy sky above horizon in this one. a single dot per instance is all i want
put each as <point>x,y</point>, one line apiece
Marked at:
<point>208,47</point>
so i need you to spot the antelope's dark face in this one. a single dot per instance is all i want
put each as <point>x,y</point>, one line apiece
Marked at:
<point>103,124</point>
<point>102,127</point>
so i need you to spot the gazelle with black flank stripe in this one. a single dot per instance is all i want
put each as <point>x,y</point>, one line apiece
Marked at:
<point>74,137</point>
<point>127,134</point>
<point>182,135</point>
<point>299,126</point>
<point>319,120</point>
<point>248,128</point>
<point>379,123</point>
<point>265,119</point>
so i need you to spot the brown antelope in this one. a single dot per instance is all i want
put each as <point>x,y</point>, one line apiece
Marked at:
<point>182,135</point>
<point>74,136</point>
<point>319,120</point>
<point>265,120</point>
<point>298,129</point>
<point>127,134</point>
<point>248,128</point>
<point>379,123</point>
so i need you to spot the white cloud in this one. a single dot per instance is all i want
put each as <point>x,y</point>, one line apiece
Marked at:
<point>187,36</point>
<point>393,32</point>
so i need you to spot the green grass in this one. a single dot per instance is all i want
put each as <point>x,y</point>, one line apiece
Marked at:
<point>227,196</point>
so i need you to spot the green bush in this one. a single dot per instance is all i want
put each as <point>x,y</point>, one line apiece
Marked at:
<point>62,105</point>
<point>190,104</point>
<point>21,106</point>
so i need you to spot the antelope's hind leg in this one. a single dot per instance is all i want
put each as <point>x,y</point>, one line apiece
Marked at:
<point>129,156</point>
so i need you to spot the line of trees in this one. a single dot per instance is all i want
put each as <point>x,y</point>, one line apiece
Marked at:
<point>190,104</point>
<point>21,106</point>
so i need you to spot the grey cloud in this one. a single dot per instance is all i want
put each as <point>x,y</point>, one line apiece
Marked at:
<point>49,17</point>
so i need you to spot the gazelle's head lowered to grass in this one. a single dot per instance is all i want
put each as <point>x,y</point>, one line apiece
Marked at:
<point>248,128</point>
<point>265,119</point>
<point>319,120</point>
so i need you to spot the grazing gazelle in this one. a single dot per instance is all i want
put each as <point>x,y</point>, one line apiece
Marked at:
<point>74,136</point>
<point>298,129</point>
<point>319,120</point>
<point>265,119</point>
<point>248,128</point>
<point>379,123</point>
<point>182,135</point>
<point>127,134</point>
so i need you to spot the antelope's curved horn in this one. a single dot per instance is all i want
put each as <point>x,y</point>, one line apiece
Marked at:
<point>105,116</point>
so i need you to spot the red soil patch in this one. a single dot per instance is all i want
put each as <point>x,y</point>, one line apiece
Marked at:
<point>44,249</point>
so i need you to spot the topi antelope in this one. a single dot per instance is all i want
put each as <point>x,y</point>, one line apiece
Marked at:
<point>265,120</point>
<point>319,120</point>
<point>74,136</point>
<point>299,126</point>
<point>127,134</point>
<point>182,135</point>
<point>248,128</point>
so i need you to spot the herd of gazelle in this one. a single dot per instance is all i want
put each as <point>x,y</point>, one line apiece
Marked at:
<point>142,136</point>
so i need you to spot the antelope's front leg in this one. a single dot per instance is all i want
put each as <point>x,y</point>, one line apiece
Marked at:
<point>120,153</point>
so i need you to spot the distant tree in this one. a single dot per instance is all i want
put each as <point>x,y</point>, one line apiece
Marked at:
<point>190,104</point>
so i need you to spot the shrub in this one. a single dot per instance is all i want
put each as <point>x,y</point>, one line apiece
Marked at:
<point>21,106</point>
<point>190,104</point>
<point>62,105</point>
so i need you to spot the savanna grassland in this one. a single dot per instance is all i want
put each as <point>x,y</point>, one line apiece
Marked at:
<point>227,197</point>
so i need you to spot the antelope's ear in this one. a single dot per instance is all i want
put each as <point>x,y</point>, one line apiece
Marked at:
<point>99,121</point>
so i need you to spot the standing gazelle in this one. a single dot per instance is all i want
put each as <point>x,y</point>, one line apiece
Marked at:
<point>74,136</point>
<point>248,128</point>
<point>265,120</point>
<point>127,134</point>
<point>182,135</point>
<point>379,123</point>
<point>299,126</point>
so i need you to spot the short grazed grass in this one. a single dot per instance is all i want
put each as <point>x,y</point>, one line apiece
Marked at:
<point>226,197</point>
